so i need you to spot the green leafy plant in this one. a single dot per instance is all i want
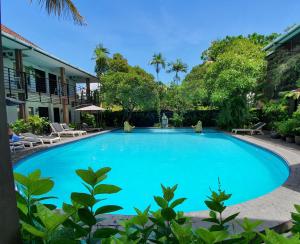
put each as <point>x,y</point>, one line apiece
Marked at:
<point>87,203</point>
<point>177,119</point>
<point>217,206</point>
<point>34,124</point>
<point>89,119</point>
<point>296,219</point>
<point>274,111</point>
<point>156,226</point>
<point>166,215</point>
<point>38,125</point>
<point>20,126</point>
<point>138,228</point>
<point>287,127</point>
<point>271,237</point>
<point>249,233</point>
<point>38,221</point>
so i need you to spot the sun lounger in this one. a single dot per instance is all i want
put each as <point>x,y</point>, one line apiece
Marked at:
<point>257,128</point>
<point>68,128</point>
<point>16,145</point>
<point>58,130</point>
<point>89,129</point>
<point>43,139</point>
<point>30,142</point>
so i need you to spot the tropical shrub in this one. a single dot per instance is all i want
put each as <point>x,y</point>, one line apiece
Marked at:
<point>38,125</point>
<point>20,126</point>
<point>130,88</point>
<point>274,111</point>
<point>34,124</point>
<point>177,119</point>
<point>287,127</point>
<point>44,223</point>
<point>89,119</point>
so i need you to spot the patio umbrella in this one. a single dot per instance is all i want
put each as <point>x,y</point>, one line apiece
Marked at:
<point>12,102</point>
<point>92,109</point>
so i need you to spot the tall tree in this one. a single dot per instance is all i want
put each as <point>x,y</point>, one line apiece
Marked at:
<point>102,60</point>
<point>159,62</point>
<point>177,67</point>
<point>129,87</point>
<point>231,81</point>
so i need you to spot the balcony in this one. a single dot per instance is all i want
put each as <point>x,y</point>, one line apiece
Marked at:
<point>26,86</point>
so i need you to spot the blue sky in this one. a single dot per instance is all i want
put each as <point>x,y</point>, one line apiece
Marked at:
<point>139,28</point>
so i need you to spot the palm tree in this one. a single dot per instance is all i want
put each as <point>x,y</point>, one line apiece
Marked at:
<point>177,67</point>
<point>102,63</point>
<point>158,62</point>
<point>61,8</point>
<point>101,57</point>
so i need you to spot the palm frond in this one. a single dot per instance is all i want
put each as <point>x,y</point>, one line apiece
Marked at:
<point>62,8</point>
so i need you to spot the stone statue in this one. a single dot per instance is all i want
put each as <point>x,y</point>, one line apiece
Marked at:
<point>164,121</point>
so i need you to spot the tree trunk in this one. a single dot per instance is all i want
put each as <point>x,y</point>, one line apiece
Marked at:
<point>8,213</point>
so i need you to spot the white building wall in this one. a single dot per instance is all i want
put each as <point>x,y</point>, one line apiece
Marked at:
<point>12,111</point>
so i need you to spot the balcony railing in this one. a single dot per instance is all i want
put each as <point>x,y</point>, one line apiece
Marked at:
<point>33,88</point>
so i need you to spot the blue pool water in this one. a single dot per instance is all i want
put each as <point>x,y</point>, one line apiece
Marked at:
<point>144,159</point>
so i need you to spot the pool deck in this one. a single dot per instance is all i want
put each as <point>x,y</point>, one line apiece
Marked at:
<point>274,208</point>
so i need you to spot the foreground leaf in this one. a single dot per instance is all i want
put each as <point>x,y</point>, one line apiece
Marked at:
<point>34,231</point>
<point>83,199</point>
<point>105,233</point>
<point>86,216</point>
<point>106,189</point>
<point>107,209</point>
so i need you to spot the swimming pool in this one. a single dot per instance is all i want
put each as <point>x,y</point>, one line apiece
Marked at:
<point>144,159</point>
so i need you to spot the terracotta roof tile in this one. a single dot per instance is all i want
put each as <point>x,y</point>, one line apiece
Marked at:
<point>16,35</point>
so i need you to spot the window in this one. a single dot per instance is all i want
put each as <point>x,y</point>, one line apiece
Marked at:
<point>30,111</point>
<point>44,112</point>
<point>53,84</point>
<point>28,75</point>
<point>40,79</point>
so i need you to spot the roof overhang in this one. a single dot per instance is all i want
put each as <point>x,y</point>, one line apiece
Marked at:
<point>42,58</point>
<point>282,39</point>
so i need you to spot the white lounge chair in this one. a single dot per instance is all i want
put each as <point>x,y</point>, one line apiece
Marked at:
<point>68,128</point>
<point>90,129</point>
<point>257,128</point>
<point>42,139</point>
<point>16,145</point>
<point>58,130</point>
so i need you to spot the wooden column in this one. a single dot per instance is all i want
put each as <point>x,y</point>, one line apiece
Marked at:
<point>20,74</point>
<point>88,89</point>
<point>9,232</point>
<point>64,95</point>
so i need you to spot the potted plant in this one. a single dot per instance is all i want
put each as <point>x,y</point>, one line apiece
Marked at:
<point>297,135</point>
<point>286,129</point>
<point>274,133</point>
<point>281,129</point>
